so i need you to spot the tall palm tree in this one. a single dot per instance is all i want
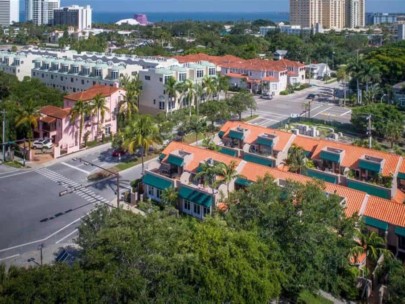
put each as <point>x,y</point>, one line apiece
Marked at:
<point>296,159</point>
<point>170,196</point>
<point>172,88</point>
<point>223,84</point>
<point>190,92</point>
<point>27,115</point>
<point>209,172</point>
<point>197,125</point>
<point>129,104</point>
<point>99,108</point>
<point>209,85</point>
<point>229,173</point>
<point>142,132</point>
<point>79,111</point>
<point>133,88</point>
<point>199,92</point>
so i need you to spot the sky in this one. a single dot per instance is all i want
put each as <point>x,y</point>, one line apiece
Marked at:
<point>138,6</point>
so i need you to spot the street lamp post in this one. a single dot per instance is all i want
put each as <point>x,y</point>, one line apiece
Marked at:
<point>4,135</point>
<point>116,174</point>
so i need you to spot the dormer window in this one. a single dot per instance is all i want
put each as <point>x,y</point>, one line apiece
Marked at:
<point>237,133</point>
<point>371,163</point>
<point>332,154</point>
<point>268,140</point>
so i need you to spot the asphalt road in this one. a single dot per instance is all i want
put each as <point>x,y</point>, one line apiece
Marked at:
<point>324,107</point>
<point>33,213</point>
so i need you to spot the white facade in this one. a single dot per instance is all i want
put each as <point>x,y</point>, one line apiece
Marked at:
<point>78,75</point>
<point>355,13</point>
<point>9,12</point>
<point>401,32</point>
<point>17,64</point>
<point>154,98</point>
<point>78,16</point>
<point>40,11</point>
<point>287,29</point>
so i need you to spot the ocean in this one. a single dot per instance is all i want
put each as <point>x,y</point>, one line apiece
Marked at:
<point>112,17</point>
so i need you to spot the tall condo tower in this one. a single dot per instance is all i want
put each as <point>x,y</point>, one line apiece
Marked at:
<point>40,11</point>
<point>355,13</point>
<point>306,13</point>
<point>9,12</point>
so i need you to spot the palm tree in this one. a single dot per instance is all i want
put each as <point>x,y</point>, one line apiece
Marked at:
<point>393,132</point>
<point>190,92</point>
<point>79,111</point>
<point>98,106</point>
<point>229,173</point>
<point>170,196</point>
<point>199,92</point>
<point>28,115</point>
<point>223,84</point>
<point>296,159</point>
<point>142,132</point>
<point>133,88</point>
<point>210,86</point>
<point>172,88</point>
<point>208,172</point>
<point>197,126</point>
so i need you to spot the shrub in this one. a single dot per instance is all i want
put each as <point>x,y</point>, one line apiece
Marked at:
<point>99,175</point>
<point>284,93</point>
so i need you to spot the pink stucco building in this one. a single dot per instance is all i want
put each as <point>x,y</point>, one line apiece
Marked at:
<point>56,123</point>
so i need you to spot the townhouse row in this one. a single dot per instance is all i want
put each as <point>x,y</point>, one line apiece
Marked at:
<point>179,164</point>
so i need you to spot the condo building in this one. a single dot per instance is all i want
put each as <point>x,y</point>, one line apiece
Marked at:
<point>9,12</point>
<point>77,16</point>
<point>40,11</point>
<point>306,13</point>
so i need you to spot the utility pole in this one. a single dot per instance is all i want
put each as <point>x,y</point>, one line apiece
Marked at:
<point>370,139</point>
<point>4,135</point>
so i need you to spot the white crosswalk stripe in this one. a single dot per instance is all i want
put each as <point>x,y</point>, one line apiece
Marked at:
<point>84,193</point>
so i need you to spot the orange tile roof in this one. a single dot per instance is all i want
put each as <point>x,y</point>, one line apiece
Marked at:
<point>89,94</point>
<point>54,111</point>
<point>306,142</point>
<point>402,168</point>
<point>255,131</point>
<point>199,155</point>
<point>218,60</point>
<point>399,197</point>
<point>353,154</point>
<point>48,119</point>
<point>385,210</point>
<point>354,198</point>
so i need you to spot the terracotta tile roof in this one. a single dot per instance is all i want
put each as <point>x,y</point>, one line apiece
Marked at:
<point>385,210</point>
<point>305,142</point>
<point>399,197</point>
<point>353,154</point>
<point>48,119</point>
<point>199,155</point>
<point>89,94</point>
<point>55,112</point>
<point>255,131</point>
<point>354,198</point>
<point>402,168</point>
<point>218,60</point>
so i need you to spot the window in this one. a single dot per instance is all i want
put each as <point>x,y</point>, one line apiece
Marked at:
<point>114,75</point>
<point>187,205</point>
<point>197,209</point>
<point>401,242</point>
<point>82,81</point>
<point>200,73</point>
<point>161,105</point>
<point>182,76</point>
<point>206,211</point>
<point>42,75</point>
<point>212,71</point>
<point>61,78</point>
<point>151,191</point>
<point>160,79</point>
<point>167,78</point>
<point>75,69</point>
<point>98,72</point>
<point>51,76</point>
<point>71,79</point>
<point>107,130</point>
<point>147,77</point>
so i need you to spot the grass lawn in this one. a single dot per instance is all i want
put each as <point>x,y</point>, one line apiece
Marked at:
<point>14,164</point>
<point>306,297</point>
<point>95,143</point>
<point>190,138</point>
<point>133,162</point>
<point>250,117</point>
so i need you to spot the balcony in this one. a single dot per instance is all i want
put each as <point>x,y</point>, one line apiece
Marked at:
<point>332,154</point>
<point>372,164</point>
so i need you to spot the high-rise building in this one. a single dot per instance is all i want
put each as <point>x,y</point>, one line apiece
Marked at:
<point>401,31</point>
<point>306,13</point>
<point>334,14</point>
<point>77,16</point>
<point>40,11</point>
<point>355,13</point>
<point>9,12</point>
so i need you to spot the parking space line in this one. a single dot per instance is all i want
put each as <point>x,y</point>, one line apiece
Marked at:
<point>321,112</point>
<point>66,236</point>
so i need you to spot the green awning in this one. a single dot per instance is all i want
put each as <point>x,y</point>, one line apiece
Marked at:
<point>334,157</point>
<point>330,178</point>
<point>175,160</point>
<point>162,156</point>
<point>264,141</point>
<point>228,151</point>
<point>370,221</point>
<point>243,182</point>
<point>196,196</point>
<point>401,175</point>
<point>369,188</point>
<point>400,231</point>
<point>259,160</point>
<point>221,134</point>
<point>370,166</point>
<point>236,135</point>
<point>156,181</point>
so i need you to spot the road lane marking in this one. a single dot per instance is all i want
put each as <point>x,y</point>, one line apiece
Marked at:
<point>10,257</point>
<point>14,174</point>
<point>74,167</point>
<point>66,236</point>
<point>321,112</point>
<point>345,113</point>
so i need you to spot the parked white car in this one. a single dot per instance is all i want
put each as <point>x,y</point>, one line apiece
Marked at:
<point>42,144</point>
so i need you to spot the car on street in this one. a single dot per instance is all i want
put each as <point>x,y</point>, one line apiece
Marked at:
<point>311,96</point>
<point>43,143</point>
<point>119,152</point>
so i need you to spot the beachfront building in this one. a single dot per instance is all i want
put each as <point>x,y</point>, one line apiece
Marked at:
<point>257,75</point>
<point>155,98</point>
<point>56,123</point>
<point>77,16</point>
<point>179,163</point>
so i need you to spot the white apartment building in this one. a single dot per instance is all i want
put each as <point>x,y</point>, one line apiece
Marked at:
<point>9,12</point>
<point>355,13</point>
<point>154,98</point>
<point>79,75</point>
<point>287,29</point>
<point>17,64</point>
<point>77,16</point>
<point>401,31</point>
<point>40,11</point>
